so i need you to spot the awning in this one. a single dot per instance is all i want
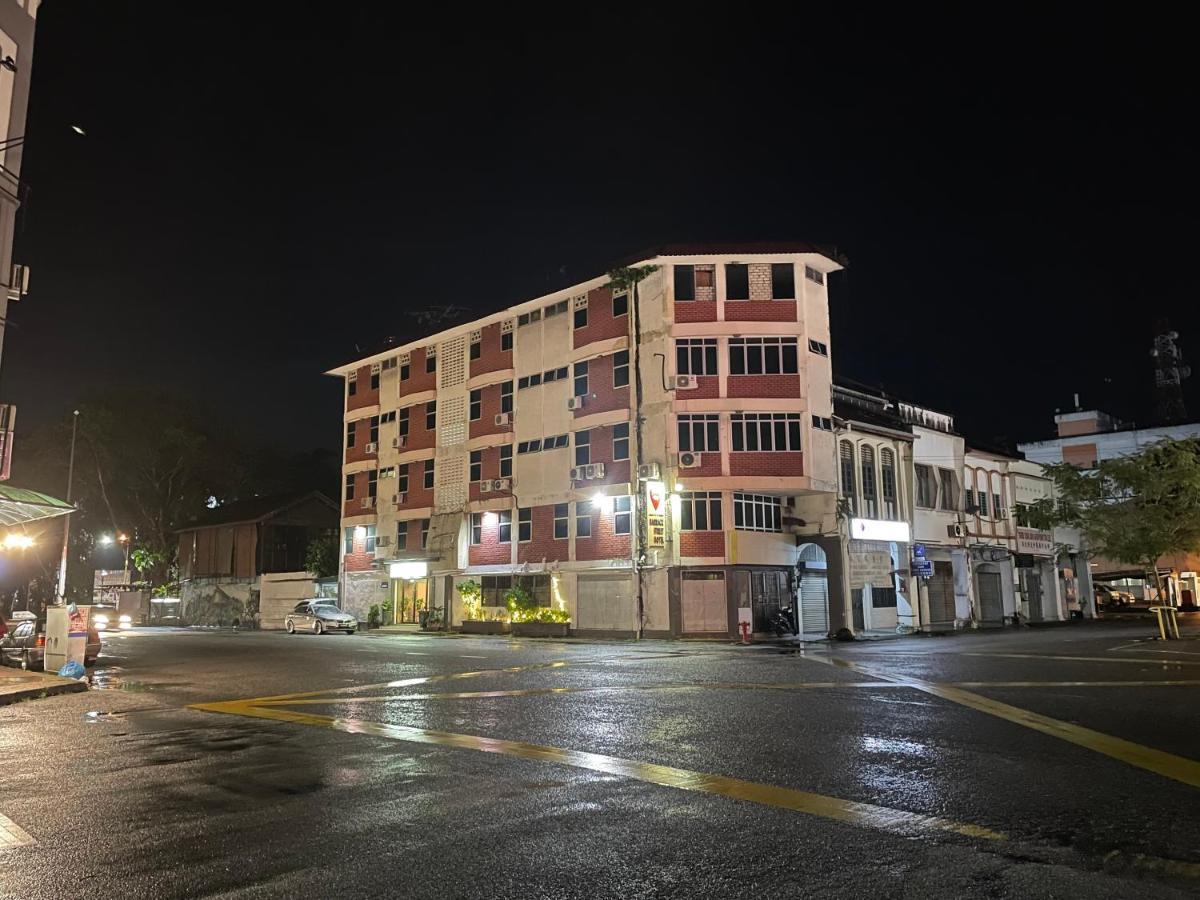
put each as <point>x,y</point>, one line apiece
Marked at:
<point>19,506</point>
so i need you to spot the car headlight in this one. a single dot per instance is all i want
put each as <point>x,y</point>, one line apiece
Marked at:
<point>125,620</point>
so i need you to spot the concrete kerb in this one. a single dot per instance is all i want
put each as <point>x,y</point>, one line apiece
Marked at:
<point>16,686</point>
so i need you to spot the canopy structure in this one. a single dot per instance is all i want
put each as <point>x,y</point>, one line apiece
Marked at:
<point>20,507</point>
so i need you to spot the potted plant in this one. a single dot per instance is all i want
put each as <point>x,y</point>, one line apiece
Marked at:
<point>532,620</point>
<point>373,616</point>
<point>474,621</point>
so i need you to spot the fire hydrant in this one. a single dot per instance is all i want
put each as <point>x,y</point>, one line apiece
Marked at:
<point>745,626</point>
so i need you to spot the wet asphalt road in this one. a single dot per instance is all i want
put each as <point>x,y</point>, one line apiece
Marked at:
<point>128,792</point>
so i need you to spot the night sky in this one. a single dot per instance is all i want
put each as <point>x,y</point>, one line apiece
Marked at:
<point>264,187</point>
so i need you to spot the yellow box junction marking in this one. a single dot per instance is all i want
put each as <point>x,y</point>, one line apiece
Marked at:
<point>12,834</point>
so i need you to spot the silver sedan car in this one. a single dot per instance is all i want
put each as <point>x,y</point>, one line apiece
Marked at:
<point>319,616</point>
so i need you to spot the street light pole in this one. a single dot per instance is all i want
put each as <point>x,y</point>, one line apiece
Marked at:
<point>62,566</point>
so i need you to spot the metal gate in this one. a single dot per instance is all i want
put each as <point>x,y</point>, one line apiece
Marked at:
<point>814,591</point>
<point>940,588</point>
<point>702,604</point>
<point>766,591</point>
<point>1033,592</point>
<point>991,602</point>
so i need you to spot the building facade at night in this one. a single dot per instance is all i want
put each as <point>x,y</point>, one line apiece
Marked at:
<point>510,450</point>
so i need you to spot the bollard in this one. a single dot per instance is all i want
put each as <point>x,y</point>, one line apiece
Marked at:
<point>1168,622</point>
<point>745,626</point>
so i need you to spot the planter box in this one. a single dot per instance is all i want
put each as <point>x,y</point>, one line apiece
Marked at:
<point>541,629</point>
<point>484,626</point>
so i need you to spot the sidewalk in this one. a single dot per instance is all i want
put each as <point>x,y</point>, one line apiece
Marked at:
<point>17,685</point>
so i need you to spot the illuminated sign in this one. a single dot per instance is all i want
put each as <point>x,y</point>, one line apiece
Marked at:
<point>409,570</point>
<point>879,530</point>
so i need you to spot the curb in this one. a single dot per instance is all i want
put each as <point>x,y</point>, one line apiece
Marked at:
<point>50,686</point>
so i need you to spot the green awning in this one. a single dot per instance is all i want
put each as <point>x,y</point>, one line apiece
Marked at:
<point>19,506</point>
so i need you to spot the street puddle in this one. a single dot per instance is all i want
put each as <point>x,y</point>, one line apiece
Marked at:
<point>113,679</point>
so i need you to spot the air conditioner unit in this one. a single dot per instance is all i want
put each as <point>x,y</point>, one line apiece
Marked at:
<point>577,473</point>
<point>368,502</point>
<point>956,530</point>
<point>576,402</point>
<point>686,383</point>
<point>399,443</point>
<point>689,460</point>
<point>382,541</point>
<point>503,418</point>
<point>498,484</point>
<point>648,472</point>
<point>595,470</point>
<point>372,447</point>
<point>399,498</point>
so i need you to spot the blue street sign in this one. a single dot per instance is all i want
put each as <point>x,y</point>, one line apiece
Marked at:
<point>919,550</point>
<point>922,567</point>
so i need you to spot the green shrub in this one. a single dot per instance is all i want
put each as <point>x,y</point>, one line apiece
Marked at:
<point>373,619</point>
<point>471,592</point>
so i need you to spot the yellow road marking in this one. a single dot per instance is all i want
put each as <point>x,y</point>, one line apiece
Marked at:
<point>863,814</point>
<point>1107,659</point>
<point>1157,761</point>
<point>1071,684</point>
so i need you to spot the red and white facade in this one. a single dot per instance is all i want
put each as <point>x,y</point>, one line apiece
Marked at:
<point>510,447</point>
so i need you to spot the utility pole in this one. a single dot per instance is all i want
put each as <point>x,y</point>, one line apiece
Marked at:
<point>62,566</point>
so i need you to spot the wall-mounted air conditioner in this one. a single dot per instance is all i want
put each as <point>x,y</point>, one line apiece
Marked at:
<point>399,498</point>
<point>368,502</point>
<point>503,418</point>
<point>399,443</point>
<point>372,447</point>
<point>686,383</point>
<point>689,460</point>
<point>956,530</point>
<point>577,402</point>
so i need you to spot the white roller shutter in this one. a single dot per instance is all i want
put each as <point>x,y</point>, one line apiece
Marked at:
<point>605,603</point>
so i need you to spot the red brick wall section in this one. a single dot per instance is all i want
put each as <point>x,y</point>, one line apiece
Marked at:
<point>418,379</point>
<point>543,545</point>
<point>359,560</point>
<point>602,396</point>
<point>601,323</point>
<point>354,507</point>
<point>486,423</point>
<point>760,310</point>
<point>710,465</point>
<point>603,544</point>
<point>763,386</point>
<point>362,435</point>
<point>419,438</point>
<point>702,543</point>
<point>491,358</point>
<point>708,387</point>
<point>491,469</point>
<point>418,496</point>
<point>696,310</point>
<point>491,552</point>
<point>615,472</point>
<point>363,395</point>
<point>788,462</point>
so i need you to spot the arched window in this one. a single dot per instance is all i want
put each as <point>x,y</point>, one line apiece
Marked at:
<point>870,489</point>
<point>887,475</point>
<point>847,466</point>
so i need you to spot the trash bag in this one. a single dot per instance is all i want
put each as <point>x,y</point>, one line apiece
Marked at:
<point>72,669</point>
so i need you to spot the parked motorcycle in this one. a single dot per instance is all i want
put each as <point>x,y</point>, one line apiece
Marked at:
<point>783,622</point>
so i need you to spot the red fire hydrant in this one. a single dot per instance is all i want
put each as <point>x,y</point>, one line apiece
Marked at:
<point>745,626</point>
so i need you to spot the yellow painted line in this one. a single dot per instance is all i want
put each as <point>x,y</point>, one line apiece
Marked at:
<point>1107,659</point>
<point>12,835</point>
<point>862,814</point>
<point>1168,765</point>
<point>1071,684</point>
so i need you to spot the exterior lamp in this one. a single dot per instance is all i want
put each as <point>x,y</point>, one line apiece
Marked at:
<point>14,541</point>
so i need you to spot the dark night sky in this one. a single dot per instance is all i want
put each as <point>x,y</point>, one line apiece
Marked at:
<point>257,192</point>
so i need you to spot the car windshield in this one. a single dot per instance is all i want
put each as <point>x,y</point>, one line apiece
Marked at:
<point>326,609</point>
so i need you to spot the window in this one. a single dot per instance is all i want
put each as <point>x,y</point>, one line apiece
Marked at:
<point>370,535</point>
<point>428,481</point>
<point>583,448</point>
<point>737,282</point>
<point>583,519</point>
<point>424,534</point>
<point>822,423</point>
<point>505,341</point>
<point>883,598</point>
<point>887,472</point>
<point>402,480</point>
<point>763,356</point>
<point>783,281</point>
<point>476,529</point>
<point>387,472</point>
<point>581,316</point>
<point>620,436</point>
<point>506,394</point>
<point>700,434</point>
<point>349,435</point>
<point>430,361</point>
<point>621,368</point>
<point>349,540</point>
<point>528,381</point>
<point>765,432</point>
<point>374,381</point>
<point>504,528</point>
<point>402,422</point>
<point>981,503</point>
<point>494,587</point>
<point>870,486</point>
<point>404,372</point>
<point>818,348</point>
<point>349,487</point>
<point>949,494</point>
<point>559,374</point>
<point>846,470</point>
<point>997,507</point>
<point>622,515</point>
<point>431,415</point>
<point>696,356</point>
<point>373,483</point>
<point>685,282</point>
<point>926,492</point>
<point>351,388</point>
<point>756,512</point>
<point>476,465</point>
<point>620,305</point>
<point>562,517</point>
<point>700,511</point>
<point>814,274</point>
<point>476,409</point>
<point>476,347</point>
<point>506,461</point>
<point>581,379</point>
<point>555,309</point>
<point>534,446</point>
<point>388,417</point>
<point>525,524</point>
<point>401,535</point>
<point>374,429</point>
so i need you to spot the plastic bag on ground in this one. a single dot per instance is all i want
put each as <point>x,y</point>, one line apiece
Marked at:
<point>72,669</point>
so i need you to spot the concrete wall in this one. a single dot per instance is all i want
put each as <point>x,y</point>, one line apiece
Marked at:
<point>278,594</point>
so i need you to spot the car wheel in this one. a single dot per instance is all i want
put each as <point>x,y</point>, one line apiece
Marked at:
<point>351,630</point>
<point>289,626</point>
<point>318,628</point>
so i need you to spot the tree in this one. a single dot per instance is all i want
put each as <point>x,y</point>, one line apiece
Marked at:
<point>1133,509</point>
<point>321,556</point>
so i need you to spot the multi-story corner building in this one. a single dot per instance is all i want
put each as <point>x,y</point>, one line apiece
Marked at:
<point>647,459</point>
